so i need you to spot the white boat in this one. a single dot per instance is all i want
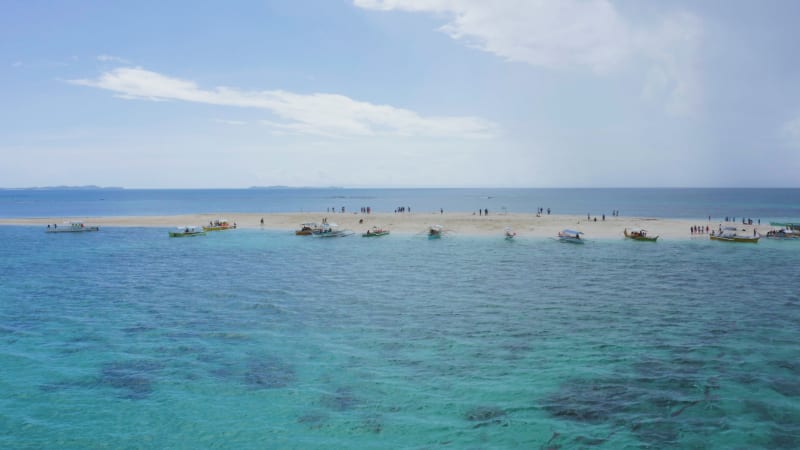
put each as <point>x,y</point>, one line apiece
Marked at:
<point>729,234</point>
<point>71,227</point>
<point>783,233</point>
<point>571,236</point>
<point>329,230</point>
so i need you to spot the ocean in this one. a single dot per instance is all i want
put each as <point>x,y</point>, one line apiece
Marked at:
<point>775,204</point>
<point>251,338</point>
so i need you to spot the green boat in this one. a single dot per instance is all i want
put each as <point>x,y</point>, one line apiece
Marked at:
<point>187,232</point>
<point>375,232</point>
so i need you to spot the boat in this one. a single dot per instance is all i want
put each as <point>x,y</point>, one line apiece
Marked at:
<point>638,234</point>
<point>510,233</point>
<point>786,225</point>
<point>71,227</point>
<point>435,232</point>
<point>571,236</point>
<point>219,225</point>
<point>307,229</point>
<point>329,230</point>
<point>783,233</point>
<point>375,232</point>
<point>729,234</point>
<point>188,231</point>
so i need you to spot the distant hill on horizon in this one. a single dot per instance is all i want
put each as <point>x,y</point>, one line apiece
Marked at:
<point>64,188</point>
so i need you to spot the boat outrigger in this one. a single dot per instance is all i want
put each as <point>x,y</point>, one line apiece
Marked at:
<point>375,232</point>
<point>187,231</point>
<point>729,234</point>
<point>71,227</point>
<point>639,234</point>
<point>571,236</point>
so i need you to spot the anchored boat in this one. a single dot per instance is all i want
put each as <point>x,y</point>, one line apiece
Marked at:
<point>187,231</point>
<point>571,236</point>
<point>219,225</point>
<point>329,230</point>
<point>71,227</point>
<point>375,232</point>
<point>729,234</point>
<point>638,234</point>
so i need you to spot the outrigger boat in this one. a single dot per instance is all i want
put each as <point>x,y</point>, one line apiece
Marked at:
<point>71,227</point>
<point>728,234</point>
<point>219,225</point>
<point>329,230</point>
<point>510,233</point>
<point>639,234</point>
<point>435,232</point>
<point>307,229</point>
<point>571,236</point>
<point>187,232</point>
<point>783,234</point>
<point>375,232</point>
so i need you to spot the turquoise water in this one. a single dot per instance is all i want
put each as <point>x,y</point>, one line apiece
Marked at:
<point>261,339</point>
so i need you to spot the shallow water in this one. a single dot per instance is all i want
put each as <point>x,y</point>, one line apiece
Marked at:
<point>253,339</point>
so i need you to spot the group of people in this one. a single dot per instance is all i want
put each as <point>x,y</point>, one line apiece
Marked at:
<point>366,210</point>
<point>333,210</point>
<point>484,212</point>
<point>402,209</point>
<point>540,211</point>
<point>699,229</point>
<point>747,221</point>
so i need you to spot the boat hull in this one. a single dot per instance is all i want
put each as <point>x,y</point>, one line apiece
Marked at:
<point>742,239</point>
<point>377,234</point>
<point>183,234</point>
<point>70,230</point>
<point>641,238</point>
<point>218,228</point>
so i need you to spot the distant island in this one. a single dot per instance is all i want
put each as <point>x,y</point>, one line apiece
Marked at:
<point>65,188</point>
<point>294,187</point>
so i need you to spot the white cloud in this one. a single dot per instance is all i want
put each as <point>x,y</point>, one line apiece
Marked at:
<point>111,58</point>
<point>16,64</point>
<point>319,114</point>
<point>572,34</point>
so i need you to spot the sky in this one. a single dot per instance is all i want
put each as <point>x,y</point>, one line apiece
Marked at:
<point>400,93</point>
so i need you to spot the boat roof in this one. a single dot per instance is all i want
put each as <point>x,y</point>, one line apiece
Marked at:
<point>571,231</point>
<point>638,230</point>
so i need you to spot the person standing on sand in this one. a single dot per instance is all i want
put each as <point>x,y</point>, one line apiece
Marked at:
<point>441,210</point>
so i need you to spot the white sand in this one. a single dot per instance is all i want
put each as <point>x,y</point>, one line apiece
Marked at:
<point>458,223</point>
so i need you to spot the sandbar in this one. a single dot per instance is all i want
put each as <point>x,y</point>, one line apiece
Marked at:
<point>456,223</point>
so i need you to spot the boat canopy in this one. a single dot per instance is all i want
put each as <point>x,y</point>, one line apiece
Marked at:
<point>573,232</point>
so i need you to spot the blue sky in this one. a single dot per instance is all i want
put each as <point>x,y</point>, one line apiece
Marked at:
<point>400,93</point>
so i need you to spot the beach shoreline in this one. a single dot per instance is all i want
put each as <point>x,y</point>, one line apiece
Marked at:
<point>461,223</point>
